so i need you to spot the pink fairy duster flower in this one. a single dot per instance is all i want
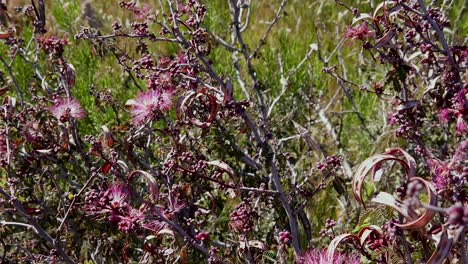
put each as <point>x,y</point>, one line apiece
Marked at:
<point>462,126</point>
<point>445,115</point>
<point>118,195</point>
<point>131,222</point>
<point>360,32</point>
<point>461,153</point>
<point>165,101</point>
<point>154,225</point>
<point>65,108</point>
<point>113,200</point>
<point>441,172</point>
<point>149,105</point>
<point>320,256</point>
<point>142,13</point>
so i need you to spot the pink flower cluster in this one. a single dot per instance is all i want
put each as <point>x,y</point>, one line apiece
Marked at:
<point>359,32</point>
<point>53,45</point>
<point>149,105</point>
<point>113,202</point>
<point>65,108</point>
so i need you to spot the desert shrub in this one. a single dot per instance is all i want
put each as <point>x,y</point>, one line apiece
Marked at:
<point>176,132</point>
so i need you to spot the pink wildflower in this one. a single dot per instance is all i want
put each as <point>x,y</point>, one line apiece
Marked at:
<point>112,200</point>
<point>462,126</point>
<point>461,153</point>
<point>117,195</point>
<point>441,171</point>
<point>149,105</point>
<point>64,108</point>
<point>445,115</point>
<point>142,13</point>
<point>131,222</point>
<point>320,256</point>
<point>165,102</point>
<point>360,32</point>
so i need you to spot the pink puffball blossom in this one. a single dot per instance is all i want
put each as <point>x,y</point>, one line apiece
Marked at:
<point>462,125</point>
<point>445,115</point>
<point>118,196</point>
<point>149,105</point>
<point>359,32</point>
<point>65,108</point>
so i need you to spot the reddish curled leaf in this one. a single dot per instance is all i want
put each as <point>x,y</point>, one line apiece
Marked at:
<point>414,220</point>
<point>447,240</point>
<point>374,164</point>
<point>124,166</point>
<point>108,136</point>
<point>385,40</point>
<point>9,104</point>
<point>181,107</point>
<point>5,35</point>
<point>366,231</point>
<point>334,244</point>
<point>410,162</point>
<point>385,5</point>
<point>106,168</point>
<point>426,217</point>
<point>388,200</point>
<point>68,72</point>
<point>185,109</point>
<point>222,165</point>
<point>3,90</point>
<point>152,183</point>
<point>211,115</point>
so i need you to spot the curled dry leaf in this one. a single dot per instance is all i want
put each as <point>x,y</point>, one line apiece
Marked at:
<point>5,35</point>
<point>124,166</point>
<point>387,6</point>
<point>186,112</point>
<point>9,104</point>
<point>425,217</point>
<point>447,240</point>
<point>385,40</point>
<point>360,238</point>
<point>414,220</point>
<point>388,200</point>
<point>335,242</point>
<point>108,136</point>
<point>225,167</point>
<point>3,90</point>
<point>374,164</point>
<point>366,231</point>
<point>152,183</point>
<point>253,244</point>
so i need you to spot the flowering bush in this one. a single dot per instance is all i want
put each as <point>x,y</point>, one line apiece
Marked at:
<point>200,163</point>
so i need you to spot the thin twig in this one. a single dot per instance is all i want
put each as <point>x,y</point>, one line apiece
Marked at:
<point>272,23</point>
<point>75,197</point>
<point>39,230</point>
<point>12,76</point>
